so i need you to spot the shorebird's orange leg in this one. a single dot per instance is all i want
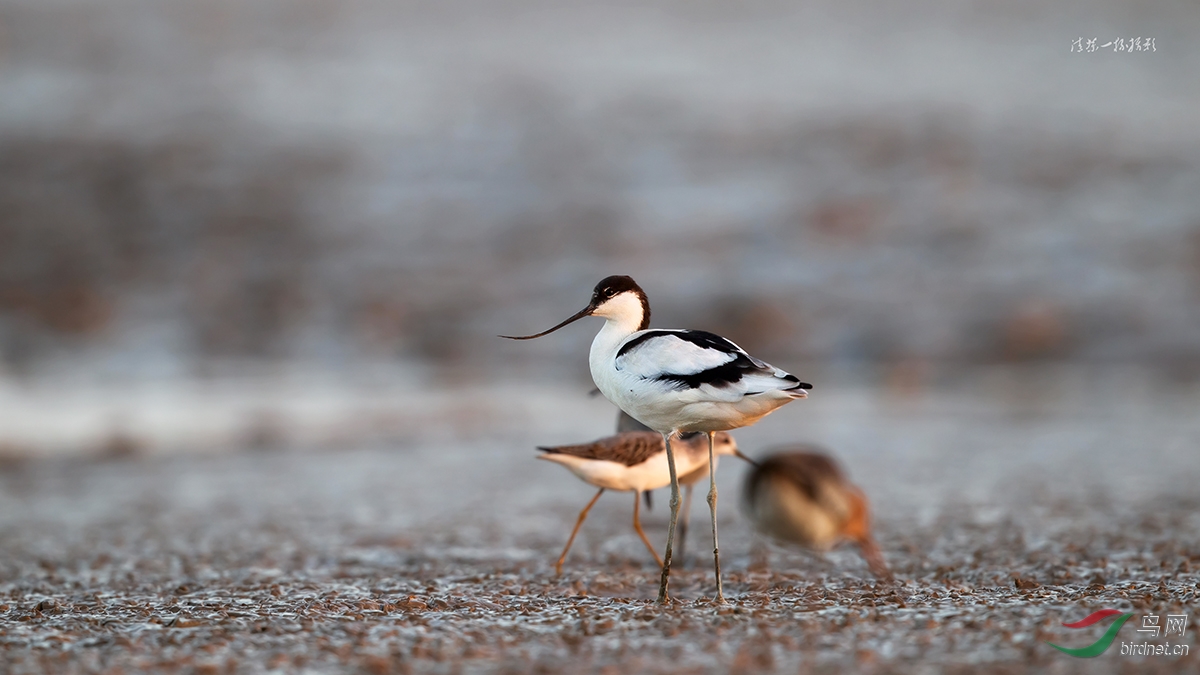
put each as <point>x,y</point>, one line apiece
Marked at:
<point>637,525</point>
<point>578,524</point>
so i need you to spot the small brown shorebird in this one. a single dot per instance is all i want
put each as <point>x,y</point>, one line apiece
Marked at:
<point>632,461</point>
<point>800,495</point>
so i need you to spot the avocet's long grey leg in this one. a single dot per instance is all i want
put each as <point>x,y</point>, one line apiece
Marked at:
<point>663,597</point>
<point>637,525</point>
<point>578,523</point>
<point>683,524</point>
<point>712,506</point>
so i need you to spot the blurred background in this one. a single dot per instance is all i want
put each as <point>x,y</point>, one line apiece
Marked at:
<point>255,254</point>
<point>275,223</point>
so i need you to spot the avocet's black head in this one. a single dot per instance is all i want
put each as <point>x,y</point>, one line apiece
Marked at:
<point>617,298</point>
<point>612,286</point>
<point>608,294</point>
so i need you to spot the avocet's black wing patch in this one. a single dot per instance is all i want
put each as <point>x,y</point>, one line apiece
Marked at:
<point>690,359</point>
<point>664,354</point>
<point>700,338</point>
<point>724,374</point>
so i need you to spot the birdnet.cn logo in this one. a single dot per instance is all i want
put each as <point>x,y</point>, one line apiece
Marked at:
<point>1174,625</point>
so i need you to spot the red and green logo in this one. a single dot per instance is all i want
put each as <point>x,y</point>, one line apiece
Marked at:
<point>1096,648</point>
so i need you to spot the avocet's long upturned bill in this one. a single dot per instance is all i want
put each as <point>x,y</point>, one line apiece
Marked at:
<point>676,381</point>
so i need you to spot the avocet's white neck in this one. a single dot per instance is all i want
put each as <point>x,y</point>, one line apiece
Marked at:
<point>604,346</point>
<point>623,315</point>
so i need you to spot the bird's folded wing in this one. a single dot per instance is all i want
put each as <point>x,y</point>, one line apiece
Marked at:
<point>628,448</point>
<point>700,360</point>
<point>654,353</point>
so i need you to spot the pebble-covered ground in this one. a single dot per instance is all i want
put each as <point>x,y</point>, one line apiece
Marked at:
<point>437,556</point>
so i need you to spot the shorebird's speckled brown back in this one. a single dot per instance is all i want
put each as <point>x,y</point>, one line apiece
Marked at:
<point>628,448</point>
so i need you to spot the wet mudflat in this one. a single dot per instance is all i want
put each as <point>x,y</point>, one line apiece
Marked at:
<point>437,556</point>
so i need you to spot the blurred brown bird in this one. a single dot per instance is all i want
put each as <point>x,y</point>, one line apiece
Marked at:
<point>801,496</point>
